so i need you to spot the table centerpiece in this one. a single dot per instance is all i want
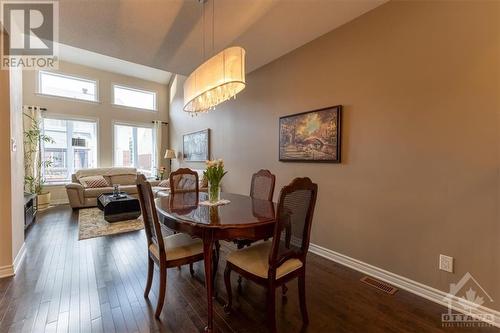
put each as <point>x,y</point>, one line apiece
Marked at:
<point>214,173</point>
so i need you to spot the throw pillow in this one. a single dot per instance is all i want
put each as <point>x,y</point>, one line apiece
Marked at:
<point>93,181</point>
<point>164,183</point>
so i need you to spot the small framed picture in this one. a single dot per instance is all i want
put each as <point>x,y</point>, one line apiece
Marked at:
<point>196,146</point>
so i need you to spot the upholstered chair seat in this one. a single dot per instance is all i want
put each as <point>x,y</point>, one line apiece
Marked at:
<point>179,246</point>
<point>255,260</point>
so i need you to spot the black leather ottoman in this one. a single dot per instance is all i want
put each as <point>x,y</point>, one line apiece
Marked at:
<point>120,208</point>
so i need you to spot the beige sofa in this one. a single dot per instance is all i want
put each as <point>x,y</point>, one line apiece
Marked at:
<point>80,196</point>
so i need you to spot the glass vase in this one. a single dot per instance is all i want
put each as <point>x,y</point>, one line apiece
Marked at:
<point>213,192</point>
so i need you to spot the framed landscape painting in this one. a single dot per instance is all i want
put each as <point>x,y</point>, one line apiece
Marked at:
<point>312,136</point>
<point>196,146</point>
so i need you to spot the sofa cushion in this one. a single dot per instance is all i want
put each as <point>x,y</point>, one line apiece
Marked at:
<point>93,182</point>
<point>123,179</point>
<point>95,192</point>
<point>130,189</point>
<point>105,172</point>
<point>108,179</point>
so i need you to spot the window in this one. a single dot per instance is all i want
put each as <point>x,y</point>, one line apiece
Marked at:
<point>74,147</point>
<point>134,98</point>
<point>55,84</point>
<point>135,147</point>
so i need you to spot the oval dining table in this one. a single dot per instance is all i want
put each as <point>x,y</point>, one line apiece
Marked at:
<point>242,218</point>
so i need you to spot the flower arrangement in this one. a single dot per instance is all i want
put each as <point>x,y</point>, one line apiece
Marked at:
<point>162,172</point>
<point>214,173</point>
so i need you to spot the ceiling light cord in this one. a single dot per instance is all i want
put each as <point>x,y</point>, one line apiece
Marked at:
<point>203,34</point>
<point>203,29</point>
<point>213,27</point>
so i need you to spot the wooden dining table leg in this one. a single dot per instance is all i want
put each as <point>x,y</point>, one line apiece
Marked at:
<point>215,265</point>
<point>208,243</point>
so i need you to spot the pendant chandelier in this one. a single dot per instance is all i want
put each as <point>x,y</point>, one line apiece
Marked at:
<point>216,80</point>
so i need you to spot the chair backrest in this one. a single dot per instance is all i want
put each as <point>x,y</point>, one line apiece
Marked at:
<point>184,180</point>
<point>293,222</point>
<point>262,186</point>
<point>149,214</point>
<point>183,202</point>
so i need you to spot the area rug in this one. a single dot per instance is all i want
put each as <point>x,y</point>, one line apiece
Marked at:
<point>91,223</point>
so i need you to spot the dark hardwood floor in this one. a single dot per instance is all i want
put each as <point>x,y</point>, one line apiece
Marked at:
<point>96,285</point>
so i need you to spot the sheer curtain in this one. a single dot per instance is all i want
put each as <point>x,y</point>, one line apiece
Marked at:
<point>158,128</point>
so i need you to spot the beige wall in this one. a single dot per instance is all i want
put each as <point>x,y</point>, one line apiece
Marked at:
<point>103,111</point>
<point>17,160</point>
<point>419,82</point>
<point>5,194</point>
<point>11,169</point>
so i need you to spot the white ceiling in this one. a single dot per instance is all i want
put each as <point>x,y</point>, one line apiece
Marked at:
<point>167,34</point>
<point>111,64</point>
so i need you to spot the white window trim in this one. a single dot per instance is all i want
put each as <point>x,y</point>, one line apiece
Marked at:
<point>134,124</point>
<point>76,118</point>
<point>71,76</point>
<point>113,85</point>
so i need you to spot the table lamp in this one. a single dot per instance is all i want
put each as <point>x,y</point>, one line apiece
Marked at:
<point>170,155</point>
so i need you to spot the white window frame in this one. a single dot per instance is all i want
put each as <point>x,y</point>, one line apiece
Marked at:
<point>72,118</point>
<point>135,124</point>
<point>154,92</point>
<point>69,76</point>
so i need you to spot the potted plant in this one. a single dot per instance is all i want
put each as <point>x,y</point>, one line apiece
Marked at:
<point>34,164</point>
<point>214,173</point>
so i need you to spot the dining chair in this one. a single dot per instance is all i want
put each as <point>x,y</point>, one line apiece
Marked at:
<point>273,263</point>
<point>183,180</point>
<point>262,188</point>
<point>166,252</point>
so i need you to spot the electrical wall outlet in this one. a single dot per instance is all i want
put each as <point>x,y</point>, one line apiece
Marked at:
<point>446,263</point>
<point>13,145</point>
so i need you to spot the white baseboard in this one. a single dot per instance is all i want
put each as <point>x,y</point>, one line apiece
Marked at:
<point>19,258</point>
<point>6,271</point>
<point>10,270</point>
<point>401,282</point>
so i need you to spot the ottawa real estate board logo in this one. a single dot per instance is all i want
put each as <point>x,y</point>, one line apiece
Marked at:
<point>30,31</point>
<point>471,302</point>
